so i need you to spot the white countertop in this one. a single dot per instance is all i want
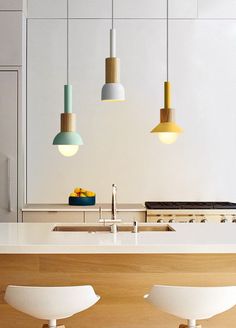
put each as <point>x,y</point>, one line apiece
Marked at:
<point>24,238</point>
<point>93,208</point>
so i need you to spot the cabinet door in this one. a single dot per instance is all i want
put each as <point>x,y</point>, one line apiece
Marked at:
<point>53,216</point>
<point>8,146</point>
<point>11,25</point>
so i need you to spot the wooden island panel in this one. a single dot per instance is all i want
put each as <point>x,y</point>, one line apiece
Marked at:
<point>121,280</point>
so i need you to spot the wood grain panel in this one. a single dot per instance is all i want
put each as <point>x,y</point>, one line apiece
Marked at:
<point>146,263</point>
<point>121,280</point>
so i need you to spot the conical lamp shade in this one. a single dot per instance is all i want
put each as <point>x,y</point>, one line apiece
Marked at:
<point>167,127</point>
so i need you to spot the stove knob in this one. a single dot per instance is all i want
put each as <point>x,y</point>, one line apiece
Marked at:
<point>192,221</point>
<point>160,221</point>
<point>234,220</point>
<point>171,221</point>
<point>204,220</point>
<point>224,221</point>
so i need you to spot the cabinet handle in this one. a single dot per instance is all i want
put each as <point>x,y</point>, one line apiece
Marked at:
<point>9,184</point>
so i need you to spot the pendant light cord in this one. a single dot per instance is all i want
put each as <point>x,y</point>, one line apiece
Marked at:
<point>167,40</point>
<point>112,14</point>
<point>67,40</point>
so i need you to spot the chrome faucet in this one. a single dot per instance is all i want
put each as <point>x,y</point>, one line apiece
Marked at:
<point>114,210</point>
<point>113,202</point>
<point>113,219</point>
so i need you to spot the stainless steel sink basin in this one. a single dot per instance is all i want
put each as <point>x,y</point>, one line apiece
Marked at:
<point>120,228</point>
<point>82,228</point>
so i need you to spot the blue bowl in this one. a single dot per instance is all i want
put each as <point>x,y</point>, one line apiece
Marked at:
<point>82,201</point>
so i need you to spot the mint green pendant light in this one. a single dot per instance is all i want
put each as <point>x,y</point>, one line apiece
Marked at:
<point>68,140</point>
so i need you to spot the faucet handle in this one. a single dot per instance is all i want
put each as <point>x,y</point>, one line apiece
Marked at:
<point>109,220</point>
<point>100,213</point>
<point>135,226</point>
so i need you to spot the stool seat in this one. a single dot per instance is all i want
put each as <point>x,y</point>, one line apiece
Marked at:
<point>192,303</point>
<point>51,303</point>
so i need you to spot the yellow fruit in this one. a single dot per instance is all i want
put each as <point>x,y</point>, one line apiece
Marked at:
<point>77,190</point>
<point>73,194</point>
<point>83,190</point>
<point>82,195</point>
<point>90,193</point>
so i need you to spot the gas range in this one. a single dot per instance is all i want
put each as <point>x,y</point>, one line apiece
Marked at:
<point>224,212</point>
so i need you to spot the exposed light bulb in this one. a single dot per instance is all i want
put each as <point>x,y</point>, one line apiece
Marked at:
<point>168,137</point>
<point>68,150</point>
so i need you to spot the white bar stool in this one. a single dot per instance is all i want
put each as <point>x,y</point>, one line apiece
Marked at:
<point>51,303</point>
<point>192,303</point>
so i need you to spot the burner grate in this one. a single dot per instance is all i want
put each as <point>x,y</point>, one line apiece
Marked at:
<point>189,205</point>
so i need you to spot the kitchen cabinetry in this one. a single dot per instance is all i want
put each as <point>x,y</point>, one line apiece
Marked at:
<point>8,145</point>
<point>66,213</point>
<point>124,216</point>
<point>12,105</point>
<point>11,27</point>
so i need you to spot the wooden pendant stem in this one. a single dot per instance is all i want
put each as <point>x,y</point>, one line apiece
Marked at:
<point>112,70</point>
<point>167,115</point>
<point>68,122</point>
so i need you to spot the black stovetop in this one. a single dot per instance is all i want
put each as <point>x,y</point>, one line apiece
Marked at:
<point>190,205</point>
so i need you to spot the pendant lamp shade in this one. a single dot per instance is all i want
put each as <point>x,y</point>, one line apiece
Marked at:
<point>113,90</point>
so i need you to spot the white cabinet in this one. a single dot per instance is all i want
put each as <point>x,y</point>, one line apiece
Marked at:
<point>80,217</point>
<point>217,9</point>
<point>12,4</point>
<point>47,8</point>
<point>8,146</point>
<point>53,216</point>
<point>124,216</point>
<point>67,214</point>
<point>11,32</point>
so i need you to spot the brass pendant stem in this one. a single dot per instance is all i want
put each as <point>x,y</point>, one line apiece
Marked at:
<point>167,94</point>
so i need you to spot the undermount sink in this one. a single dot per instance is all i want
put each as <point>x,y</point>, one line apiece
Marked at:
<point>120,228</point>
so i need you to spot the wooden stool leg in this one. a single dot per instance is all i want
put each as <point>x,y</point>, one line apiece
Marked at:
<point>186,326</point>
<point>47,326</point>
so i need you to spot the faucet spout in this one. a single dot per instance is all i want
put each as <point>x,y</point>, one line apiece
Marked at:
<point>113,202</point>
<point>113,220</point>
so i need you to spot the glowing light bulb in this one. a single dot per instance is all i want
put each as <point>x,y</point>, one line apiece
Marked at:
<point>168,137</point>
<point>68,150</point>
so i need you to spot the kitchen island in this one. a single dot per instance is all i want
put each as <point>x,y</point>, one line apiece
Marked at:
<point>122,267</point>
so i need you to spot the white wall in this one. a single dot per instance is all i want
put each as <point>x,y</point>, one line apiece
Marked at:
<point>118,147</point>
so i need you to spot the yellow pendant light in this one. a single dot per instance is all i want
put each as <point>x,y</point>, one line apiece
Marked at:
<point>167,130</point>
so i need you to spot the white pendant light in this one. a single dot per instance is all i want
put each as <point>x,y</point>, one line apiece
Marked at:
<point>68,140</point>
<point>167,130</point>
<point>113,90</point>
